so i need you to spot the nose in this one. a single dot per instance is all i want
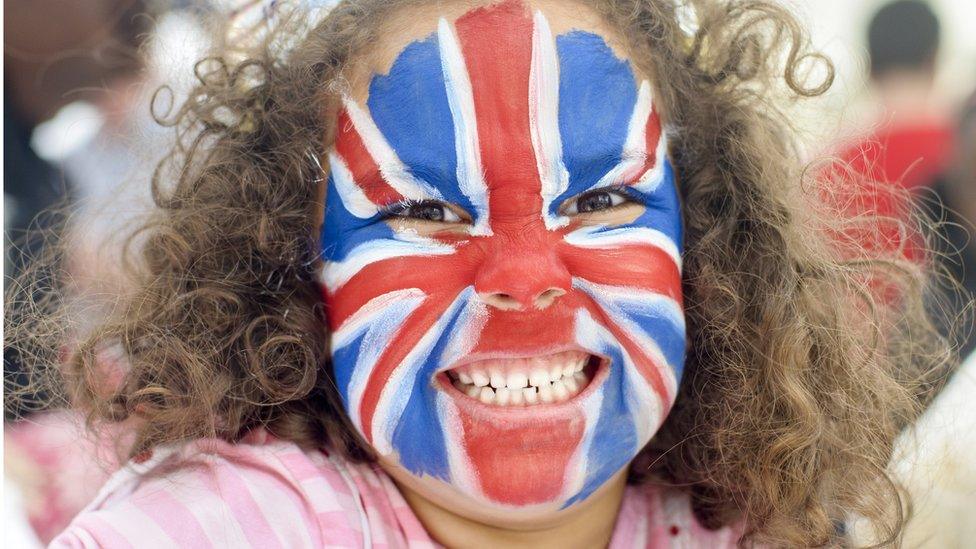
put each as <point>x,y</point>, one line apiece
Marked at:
<point>517,280</point>
<point>521,301</point>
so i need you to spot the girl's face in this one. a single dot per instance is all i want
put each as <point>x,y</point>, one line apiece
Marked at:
<point>502,244</point>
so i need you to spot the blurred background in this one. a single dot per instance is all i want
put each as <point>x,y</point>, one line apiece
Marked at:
<point>79,74</point>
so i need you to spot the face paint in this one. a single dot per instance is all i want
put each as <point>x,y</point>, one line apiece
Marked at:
<point>527,351</point>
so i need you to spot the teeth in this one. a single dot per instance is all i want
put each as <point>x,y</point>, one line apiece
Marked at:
<point>555,372</point>
<point>559,391</point>
<point>556,378</point>
<point>572,385</point>
<point>479,379</point>
<point>517,380</point>
<point>487,395</point>
<point>545,393</point>
<point>539,377</point>
<point>497,379</point>
<point>579,378</point>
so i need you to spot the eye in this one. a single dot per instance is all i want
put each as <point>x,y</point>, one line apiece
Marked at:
<point>424,210</point>
<point>595,201</point>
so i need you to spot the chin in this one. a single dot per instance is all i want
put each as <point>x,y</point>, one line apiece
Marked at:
<point>475,508</point>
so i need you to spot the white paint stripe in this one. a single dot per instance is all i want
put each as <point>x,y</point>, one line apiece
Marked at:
<point>373,311</point>
<point>642,401</point>
<point>378,319</point>
<point>460,98</point>
<point>653,177</point>
<point>467,333</point>
<point>463,475</point>
<point>544,118</point>
<point>598,237</point>
<point>392,169</point>
<point>634,153</point>
<point>350,193</point>
<point>596,339</point>
<point>622,304</point>
<point>336,273</point>
<point>399,387</point>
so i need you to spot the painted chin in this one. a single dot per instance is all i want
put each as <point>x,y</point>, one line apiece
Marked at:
<point>526,452</point>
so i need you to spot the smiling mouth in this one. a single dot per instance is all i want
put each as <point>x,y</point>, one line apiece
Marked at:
<point>534,381</point>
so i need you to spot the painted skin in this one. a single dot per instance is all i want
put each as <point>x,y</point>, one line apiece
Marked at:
<point>502,204</point>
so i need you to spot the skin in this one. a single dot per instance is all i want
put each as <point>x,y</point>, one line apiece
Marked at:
<point>450,514</point>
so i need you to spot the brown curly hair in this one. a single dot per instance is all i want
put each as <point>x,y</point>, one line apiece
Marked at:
<point>800,372</point>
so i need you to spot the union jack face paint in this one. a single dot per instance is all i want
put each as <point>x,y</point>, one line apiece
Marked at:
<point>516,130</point>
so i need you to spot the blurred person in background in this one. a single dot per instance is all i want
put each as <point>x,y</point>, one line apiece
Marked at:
<point>912,147</point>
<point>912,141</point>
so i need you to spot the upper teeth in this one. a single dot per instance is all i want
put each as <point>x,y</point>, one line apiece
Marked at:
<point>518,382</point>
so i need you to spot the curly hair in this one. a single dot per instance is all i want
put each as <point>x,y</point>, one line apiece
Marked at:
<point>800,373</point>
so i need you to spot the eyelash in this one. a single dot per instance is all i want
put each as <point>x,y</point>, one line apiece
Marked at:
<point>400,209</point>
<point>625,194</point>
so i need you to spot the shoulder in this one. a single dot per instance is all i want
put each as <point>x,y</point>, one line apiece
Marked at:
<point>260,493</point>
<point>655,516</point>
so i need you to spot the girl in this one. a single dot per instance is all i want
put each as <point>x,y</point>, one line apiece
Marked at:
<point>519,272</point>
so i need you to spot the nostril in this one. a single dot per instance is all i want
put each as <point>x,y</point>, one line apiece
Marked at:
<point>549,296</point>
<point>501,301</point>
<point>552,293</point>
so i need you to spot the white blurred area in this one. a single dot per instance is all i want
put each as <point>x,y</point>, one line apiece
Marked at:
<point>104,149</point>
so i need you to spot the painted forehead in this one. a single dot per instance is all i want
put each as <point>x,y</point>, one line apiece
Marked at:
<point>485,62</point>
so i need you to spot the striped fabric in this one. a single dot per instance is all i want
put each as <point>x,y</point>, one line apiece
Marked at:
<point>269,493</point>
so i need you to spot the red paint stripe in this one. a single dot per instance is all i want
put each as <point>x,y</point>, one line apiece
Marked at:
<point>652,135</point>
<point>521,462</point>
<point>648,368</point>
<point>400,345</point>
<point>365,171</point>
<point>496,42</point>
<point>636,266</point>
<point>427,273</point>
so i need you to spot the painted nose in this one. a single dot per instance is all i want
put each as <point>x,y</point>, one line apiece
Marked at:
<point>518,281</point>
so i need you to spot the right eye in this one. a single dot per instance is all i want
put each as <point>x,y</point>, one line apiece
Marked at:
<point>425,210</point>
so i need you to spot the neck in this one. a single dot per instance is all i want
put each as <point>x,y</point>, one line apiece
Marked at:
<point>569,529</point>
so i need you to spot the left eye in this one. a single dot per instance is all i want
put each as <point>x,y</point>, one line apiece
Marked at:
<point>425,210</point>
<point>595,201</point>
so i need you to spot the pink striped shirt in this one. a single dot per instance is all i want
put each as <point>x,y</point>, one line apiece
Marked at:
<point>269,493</point>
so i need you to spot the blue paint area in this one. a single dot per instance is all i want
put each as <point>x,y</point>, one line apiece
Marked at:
<point>663,209</point>
<point>614,437</point>
<point>411,109</point>
<point>670,337</point>
<point>419,435</point>
<point>343,361</point>
<point>597,93</point>
<point>342,231</point>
